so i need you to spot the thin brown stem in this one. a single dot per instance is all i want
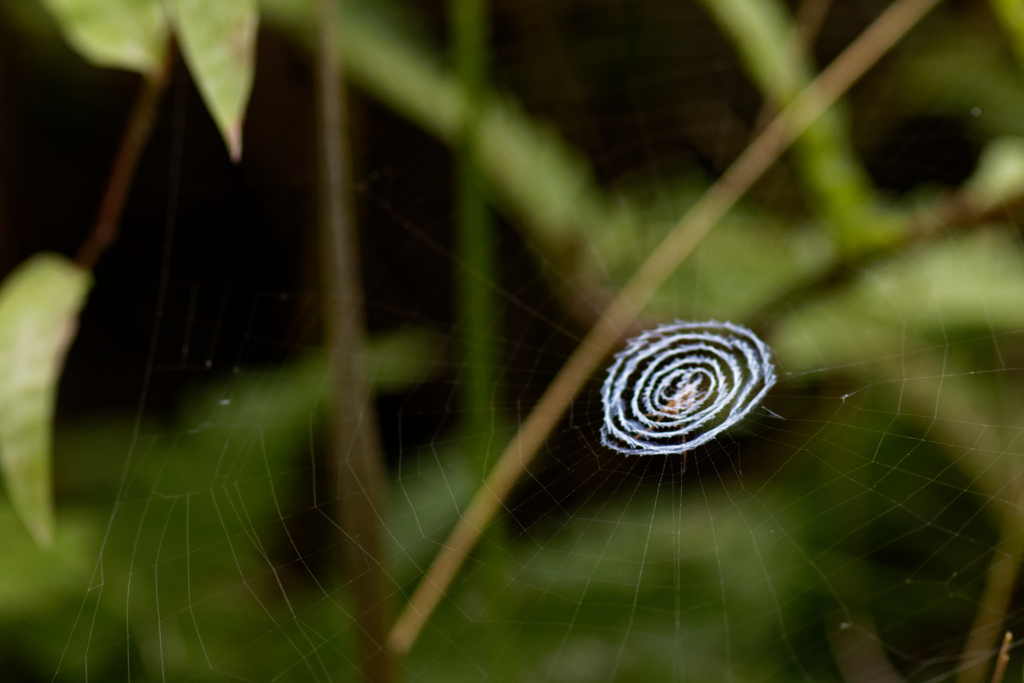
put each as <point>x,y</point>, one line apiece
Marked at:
<point>1002,574</point>
<point>133,141</point>
<point>925,378</point>
<point>1003,659</point>
<point>810,16</point>
<point>875,41</point>
<point>859,652</point>
<point>356,454</point>
<point>995,599</point>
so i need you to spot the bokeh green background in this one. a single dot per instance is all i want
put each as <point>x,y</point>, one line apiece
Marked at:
<point>848,530</point>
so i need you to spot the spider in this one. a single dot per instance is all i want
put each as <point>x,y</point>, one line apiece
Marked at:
<point>684,399</point>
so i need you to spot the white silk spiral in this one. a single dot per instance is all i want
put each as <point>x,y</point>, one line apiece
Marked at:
<point>678,386</point>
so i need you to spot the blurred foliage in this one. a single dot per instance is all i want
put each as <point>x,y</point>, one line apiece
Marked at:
<point>217,40</point>
<point>39,307</point>
<point>769,45</point>
<point>203,546</point>
<point>126,34</point>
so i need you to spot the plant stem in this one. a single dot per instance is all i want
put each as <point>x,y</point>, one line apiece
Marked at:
<point>860,55</point>
<point>355,441</point>
<point>995,599</point>
<point>810,16</point>
<point>133,141</point>
<point>475,234</point>
<point>1003,659</point>
<point>768,43</point>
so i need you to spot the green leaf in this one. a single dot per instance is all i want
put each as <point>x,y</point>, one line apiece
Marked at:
<point>400,360</point>
<point>218,42</point>
<point>39,305</point>
<point>1010,14</point>
<point>125,34</point>
<point>999,177</point>
<point>974,281</point>
<point>33,579</point>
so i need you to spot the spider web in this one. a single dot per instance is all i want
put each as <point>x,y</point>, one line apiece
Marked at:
<point>858,526</point>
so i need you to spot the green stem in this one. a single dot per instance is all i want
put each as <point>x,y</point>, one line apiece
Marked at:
<point>763,35</point>
<point>534,177</point>
<point>475,233</point>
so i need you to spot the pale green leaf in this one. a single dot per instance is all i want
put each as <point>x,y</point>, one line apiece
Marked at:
<point>974,281</point>
<point>125,34</point>
<point>218,42</point>
<point>999,177</point>
<point>39,305</point>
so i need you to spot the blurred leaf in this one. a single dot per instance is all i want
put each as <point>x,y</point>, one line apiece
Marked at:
<point>1010,14</point>
<point>33,577</point>
<point>618,563</point>
<point>125,34</point>
<point>39,305</point>
<point>764,36</point>
<point>431,493</point>
<point>218,42</point>
<point>829,334</point>
<point>400,360</point>
<point>963,74</point>
<point>974,281</point>
<point>745,263</point>
<point>749,259</point>
<point>999,176</point>
<point>762,33</point>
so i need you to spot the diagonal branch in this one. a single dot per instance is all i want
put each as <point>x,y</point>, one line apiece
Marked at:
<point>874,42</point>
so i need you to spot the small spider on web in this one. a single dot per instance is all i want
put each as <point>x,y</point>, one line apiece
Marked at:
<point>683,401</point>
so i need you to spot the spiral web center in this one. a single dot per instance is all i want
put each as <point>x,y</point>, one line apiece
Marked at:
<point>680,385</point>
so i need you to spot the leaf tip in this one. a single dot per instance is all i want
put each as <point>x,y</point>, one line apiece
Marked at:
<point>233,138</point>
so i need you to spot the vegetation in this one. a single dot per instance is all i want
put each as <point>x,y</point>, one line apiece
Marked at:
<point>235,439</point>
